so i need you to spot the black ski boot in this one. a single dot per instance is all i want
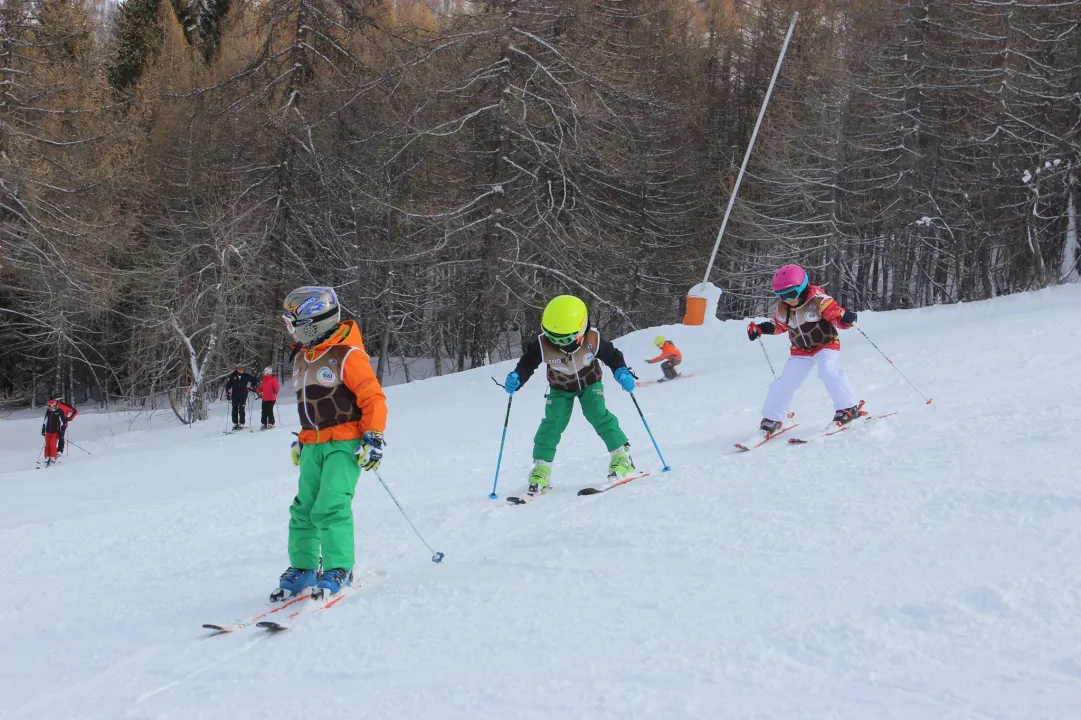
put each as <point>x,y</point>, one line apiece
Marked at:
<point>843,417</point>
<point>769,426</point>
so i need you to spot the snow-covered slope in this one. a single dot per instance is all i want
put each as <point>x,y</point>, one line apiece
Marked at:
<point>923,567</point>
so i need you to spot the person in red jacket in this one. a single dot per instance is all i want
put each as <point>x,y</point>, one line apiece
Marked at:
<point>268,391</point>
<point>54,427</point>
<point>811,318</point>
<point>670,357</point>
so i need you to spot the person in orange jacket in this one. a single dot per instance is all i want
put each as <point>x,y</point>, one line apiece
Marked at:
<point>670,357</point>
<point>343,414</point>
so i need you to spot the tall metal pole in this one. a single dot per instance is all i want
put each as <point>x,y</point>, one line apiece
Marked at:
<point>750,146</point>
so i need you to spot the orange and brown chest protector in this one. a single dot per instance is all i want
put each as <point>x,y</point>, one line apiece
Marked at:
<point>338,395</point>
<point>807,326</point>
<point>574,370</point>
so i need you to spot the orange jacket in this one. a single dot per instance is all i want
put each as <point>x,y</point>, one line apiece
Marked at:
<point>356,375</point>
<point>670,353</point>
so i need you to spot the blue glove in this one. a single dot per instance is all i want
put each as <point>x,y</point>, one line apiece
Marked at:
<point>625,379</point>
<point>370,451</point>
<point>512,383</point>
<point>848,317</point>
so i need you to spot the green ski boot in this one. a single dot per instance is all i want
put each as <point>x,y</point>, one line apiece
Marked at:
<point>539,477</point>
<point>621,465</point>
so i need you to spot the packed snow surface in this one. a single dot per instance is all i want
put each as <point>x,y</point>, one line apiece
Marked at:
<point>922,566</point>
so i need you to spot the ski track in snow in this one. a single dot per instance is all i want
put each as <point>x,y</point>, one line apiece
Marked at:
<point>922,566</point>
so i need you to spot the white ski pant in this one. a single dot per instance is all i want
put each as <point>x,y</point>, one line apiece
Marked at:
<point>796,370</point>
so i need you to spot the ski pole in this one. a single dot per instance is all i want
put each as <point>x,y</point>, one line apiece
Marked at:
<point>768,361</point>
<point>499,460</point>
<point>69,442</point>
<point>436,556</point>
<point>40,453</point>
<point>667,467</point>
<point>876,347</point>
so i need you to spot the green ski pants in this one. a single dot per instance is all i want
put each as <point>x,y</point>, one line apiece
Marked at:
<point>321,516</point>
<point>557,414</point>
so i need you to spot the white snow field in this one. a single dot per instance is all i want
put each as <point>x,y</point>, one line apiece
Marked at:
<point>924,566</point>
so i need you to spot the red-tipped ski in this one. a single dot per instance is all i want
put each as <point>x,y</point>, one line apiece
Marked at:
<point>222,628</point>
<point>834,427</point>
<point>304,610</point>
<point>527,498</point>
<point>611,484</point>
<point>647,383</point>
<point>761,438</point>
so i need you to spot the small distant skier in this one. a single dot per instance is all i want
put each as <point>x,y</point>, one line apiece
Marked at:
<point>570,350</point>
<point>54,428</point>
<point>237,386</point>
<point>811,318</point>
<point>343,414</point>
<point>670,357</point>
<point>268,391</point>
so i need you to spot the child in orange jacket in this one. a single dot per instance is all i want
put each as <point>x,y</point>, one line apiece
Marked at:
<point>670,357</point>
<point>343,414</point>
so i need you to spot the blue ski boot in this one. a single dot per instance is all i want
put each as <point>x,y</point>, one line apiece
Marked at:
<point>331,581</point>
<point>293,582</point>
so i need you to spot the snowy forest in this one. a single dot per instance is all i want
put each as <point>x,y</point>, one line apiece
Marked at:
<point>169,170</point>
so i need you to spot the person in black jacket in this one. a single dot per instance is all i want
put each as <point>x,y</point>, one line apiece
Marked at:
<point>572,353</point>
<point>54,427</point>
<point>236,390</point>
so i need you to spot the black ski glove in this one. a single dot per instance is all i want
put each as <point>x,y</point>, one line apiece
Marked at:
<point>848,317</point>
<point>756,329</point>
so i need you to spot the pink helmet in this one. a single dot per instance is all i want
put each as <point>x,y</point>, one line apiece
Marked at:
<point>790,277</point>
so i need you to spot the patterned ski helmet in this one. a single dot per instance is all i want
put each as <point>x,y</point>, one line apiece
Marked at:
<point>565,320</point>
<point>311,314</point>
<point>790,280</point>
<point>659,341</point>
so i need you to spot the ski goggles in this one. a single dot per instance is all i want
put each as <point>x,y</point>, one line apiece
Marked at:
<point>793,292</point>
<point>564,340</point>
<point>290,323</point>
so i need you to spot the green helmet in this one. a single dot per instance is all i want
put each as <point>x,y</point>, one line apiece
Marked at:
<point>311,314</point>
<point>565,320</point>
<point>659,341</point>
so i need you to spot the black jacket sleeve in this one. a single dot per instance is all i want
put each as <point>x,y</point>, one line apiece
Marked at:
<point>529,361</point>
<point>610,355</point>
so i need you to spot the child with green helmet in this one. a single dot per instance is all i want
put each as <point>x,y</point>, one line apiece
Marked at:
<point>570,350</point>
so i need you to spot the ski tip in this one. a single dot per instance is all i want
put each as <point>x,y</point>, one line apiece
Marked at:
<point>516,501</point>
<point>796,441</point>
<point>588,491</point>
<point>743,448</point>
<point>437,558</point>
<point>271,626</point>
